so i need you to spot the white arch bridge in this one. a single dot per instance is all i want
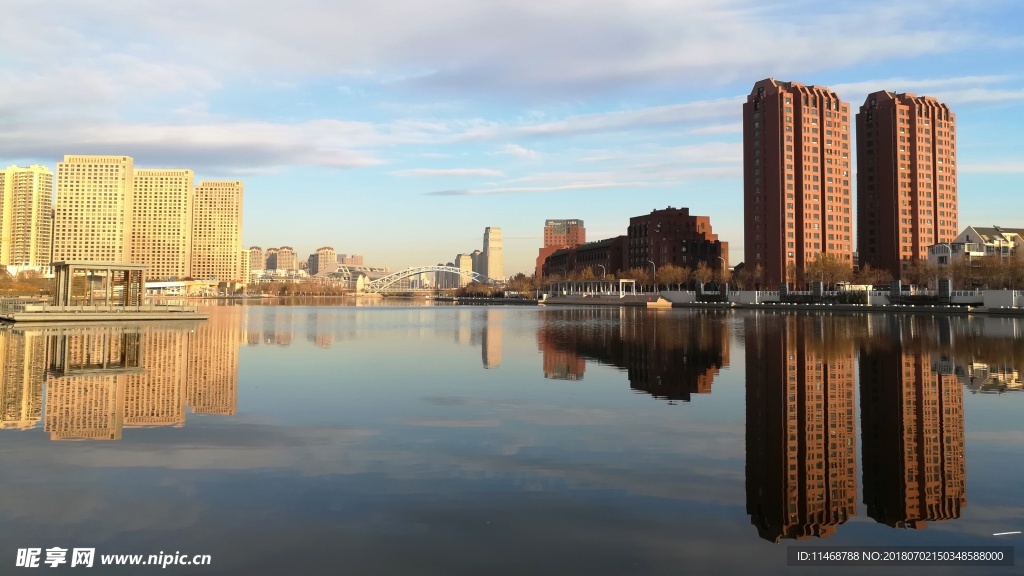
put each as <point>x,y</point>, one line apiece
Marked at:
<point>390,283</point>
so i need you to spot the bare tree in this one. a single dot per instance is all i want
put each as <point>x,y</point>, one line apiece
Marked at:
<point>872,276</point>
<point>703,273</point>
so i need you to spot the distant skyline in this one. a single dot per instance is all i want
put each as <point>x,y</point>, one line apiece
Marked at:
<point>401,130</point>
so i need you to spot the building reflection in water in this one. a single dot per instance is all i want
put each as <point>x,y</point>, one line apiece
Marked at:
<point>102,379</point>
<point>22,365</point>
<point>800,431</point>
<point>492,332</point>
<point>913,430</point>
<point>664,355</point>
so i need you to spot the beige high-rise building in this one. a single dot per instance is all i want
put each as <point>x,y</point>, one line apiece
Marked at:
<point>93,212</point>
<point>256,259</point>
<point>286,258</point>
<point>494,263</point>
<point>217,231</point>
<point>161,236</point>
<point>464,262</point>
<point>270,259</point>
<point>26,201</point>
<point>326,255</point>
<point>246,266</point>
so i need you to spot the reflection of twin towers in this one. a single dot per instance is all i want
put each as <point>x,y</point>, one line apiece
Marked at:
<point>99,380</point>
<point>801,445</point>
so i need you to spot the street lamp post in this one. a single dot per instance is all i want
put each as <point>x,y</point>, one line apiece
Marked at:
<point>654,274</point>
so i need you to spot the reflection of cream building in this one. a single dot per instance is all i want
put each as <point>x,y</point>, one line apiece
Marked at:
<point>85,388</point>
<point>22,364</point>
<point>213,364</point>
<point>801,444</point>
<point>492,338</point>
<point>85,408</point>
<point>156,397</point>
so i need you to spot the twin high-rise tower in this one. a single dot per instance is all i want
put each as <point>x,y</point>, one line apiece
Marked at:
<point>796,166</point>
<point>798,201</point>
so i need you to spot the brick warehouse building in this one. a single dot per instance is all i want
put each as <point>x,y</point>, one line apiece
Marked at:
<point>673,236</point>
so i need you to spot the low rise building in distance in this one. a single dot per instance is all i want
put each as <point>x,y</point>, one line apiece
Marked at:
<point>606,257</point>
<point>464,262</point>
<point>286,259</point>
<point>270,259</point>
<point>560,234</point>
<point>256,259</point>
<point>979,241</point>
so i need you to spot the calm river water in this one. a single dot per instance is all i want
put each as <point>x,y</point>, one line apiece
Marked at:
<point>510,440</point>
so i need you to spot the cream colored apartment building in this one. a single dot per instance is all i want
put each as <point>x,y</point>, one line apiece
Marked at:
<point>217,231</point>
<point>287,259</point>
<point>93,212</point>
<point>161,237</point>
<point>256,259</point>
<point>26,224</point>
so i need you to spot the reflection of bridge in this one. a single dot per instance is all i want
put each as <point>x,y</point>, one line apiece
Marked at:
<point>388,283</point>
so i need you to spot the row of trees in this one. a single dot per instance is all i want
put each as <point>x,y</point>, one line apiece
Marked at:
<point>28,283</point>
<point>988,272</point>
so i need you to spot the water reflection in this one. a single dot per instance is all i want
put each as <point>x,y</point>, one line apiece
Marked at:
<point>913,429</point>
<point>801,446</point>
<point>662,356</point>
<point>99,380</point>
<point>774,452</point>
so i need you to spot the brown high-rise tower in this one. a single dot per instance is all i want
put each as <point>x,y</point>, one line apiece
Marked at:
<point>796,178</point>
<point>906,179</point>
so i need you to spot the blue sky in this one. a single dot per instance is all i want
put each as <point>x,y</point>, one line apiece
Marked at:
<point>401,129</point>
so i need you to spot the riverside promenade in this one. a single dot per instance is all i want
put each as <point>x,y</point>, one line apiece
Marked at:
<point>999,302</point>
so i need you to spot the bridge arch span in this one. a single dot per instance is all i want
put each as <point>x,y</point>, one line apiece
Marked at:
<point>384,283</point>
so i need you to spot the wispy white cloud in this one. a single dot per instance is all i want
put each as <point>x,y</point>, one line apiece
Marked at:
<point>954,90</point>
<point>574,187</point>
<point>431,172</point>
<point>518,151</point>
<point>1005,167</point>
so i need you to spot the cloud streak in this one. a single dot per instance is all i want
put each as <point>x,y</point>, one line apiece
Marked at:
<point>444,172</point>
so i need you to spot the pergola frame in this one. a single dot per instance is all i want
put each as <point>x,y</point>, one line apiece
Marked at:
<point>611,287</point>
<point>131,277</point>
